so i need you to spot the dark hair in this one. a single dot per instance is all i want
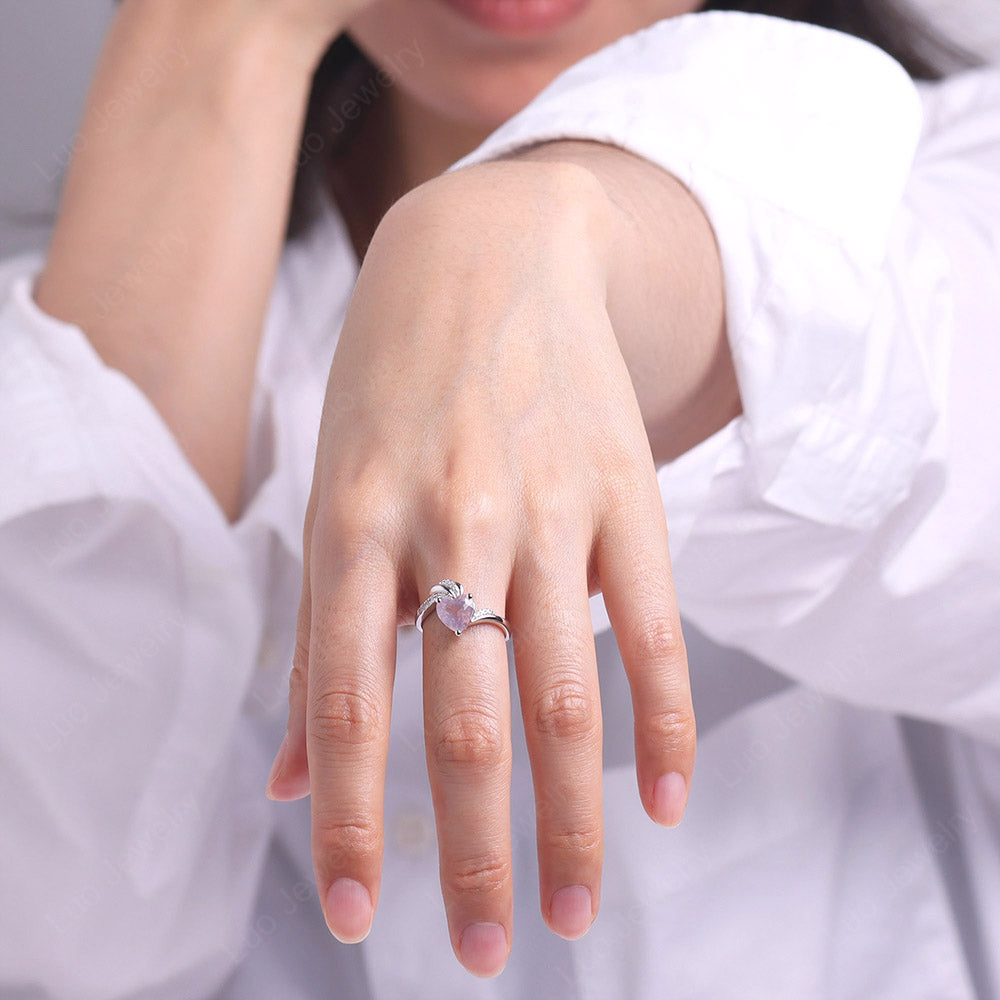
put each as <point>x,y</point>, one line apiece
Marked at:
<point>345,71</point>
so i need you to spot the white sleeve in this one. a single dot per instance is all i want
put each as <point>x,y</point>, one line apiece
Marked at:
<point>131,846</point>
<point>845,528</point>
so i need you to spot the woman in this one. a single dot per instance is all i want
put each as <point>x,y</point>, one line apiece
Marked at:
<point>617,261</point>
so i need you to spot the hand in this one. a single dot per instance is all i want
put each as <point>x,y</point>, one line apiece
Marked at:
<point>480,424</point>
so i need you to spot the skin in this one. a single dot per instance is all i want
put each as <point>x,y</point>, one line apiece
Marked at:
<point>455,441</point>
<point>473,79</point>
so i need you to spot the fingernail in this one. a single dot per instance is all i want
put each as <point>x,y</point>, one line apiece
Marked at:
<point>571,911</point>
<point>483,949</point>
<point>348,911</point>
<point>669,798</point>
<point>277,767</point>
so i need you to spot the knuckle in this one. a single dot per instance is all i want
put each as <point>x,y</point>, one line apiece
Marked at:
<point>466,516</point>
<point>341,843</point>
<point>587,840</point>
<point>471,739</point>
<point>345,718</point>
<point>657,640</point>
<point>480,876</point>
<point>565,711</point>
<point>672,729</point>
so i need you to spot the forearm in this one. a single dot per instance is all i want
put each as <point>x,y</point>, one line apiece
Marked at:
<point>173,213</point>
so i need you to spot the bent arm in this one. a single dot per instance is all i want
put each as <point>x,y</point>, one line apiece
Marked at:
<point>173,213</point>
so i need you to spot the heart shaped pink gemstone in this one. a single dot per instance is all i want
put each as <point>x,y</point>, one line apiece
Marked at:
<point>456,612</point>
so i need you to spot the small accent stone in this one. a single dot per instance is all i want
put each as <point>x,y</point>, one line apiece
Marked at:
<point>456,612</point>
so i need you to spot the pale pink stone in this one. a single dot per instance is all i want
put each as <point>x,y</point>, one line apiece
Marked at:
<point>456,612</point>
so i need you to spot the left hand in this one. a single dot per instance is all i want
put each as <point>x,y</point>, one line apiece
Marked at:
<point>480,425</point>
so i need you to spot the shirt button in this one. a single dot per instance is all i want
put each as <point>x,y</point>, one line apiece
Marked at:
<point>412,833</point>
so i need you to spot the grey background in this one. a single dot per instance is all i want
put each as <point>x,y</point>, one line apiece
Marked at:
<point>47,51</point>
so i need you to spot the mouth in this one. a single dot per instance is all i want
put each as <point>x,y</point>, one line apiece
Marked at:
<point>518,17</point>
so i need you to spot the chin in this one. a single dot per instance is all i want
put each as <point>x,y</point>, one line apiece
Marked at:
<point>478,77</point>
<point>480,99</point>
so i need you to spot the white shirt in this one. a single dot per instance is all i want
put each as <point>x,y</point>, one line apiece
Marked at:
<point>843,531</point>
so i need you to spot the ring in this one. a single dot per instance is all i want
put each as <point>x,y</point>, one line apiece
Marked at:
<point>457,609</point>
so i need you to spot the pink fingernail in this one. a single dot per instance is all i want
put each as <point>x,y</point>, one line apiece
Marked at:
<point>669,798</point>
<point>571,911</point>
<point>483,949</point>
<point>348,911</point>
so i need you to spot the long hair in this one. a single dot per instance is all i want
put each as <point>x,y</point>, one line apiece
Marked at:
<point>345,71</point>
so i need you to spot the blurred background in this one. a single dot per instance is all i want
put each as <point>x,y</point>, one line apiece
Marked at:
<point>47,50</point>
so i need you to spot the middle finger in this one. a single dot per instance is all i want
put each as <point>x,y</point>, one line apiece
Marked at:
<point>467,726</point>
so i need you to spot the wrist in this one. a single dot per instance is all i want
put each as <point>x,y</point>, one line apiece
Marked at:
<point>547,217</point>
<point>214,32</point>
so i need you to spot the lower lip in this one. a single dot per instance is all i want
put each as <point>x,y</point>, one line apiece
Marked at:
<point>519,16</point>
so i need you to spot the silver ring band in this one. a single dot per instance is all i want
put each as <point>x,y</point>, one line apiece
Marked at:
<point>457,610</point>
